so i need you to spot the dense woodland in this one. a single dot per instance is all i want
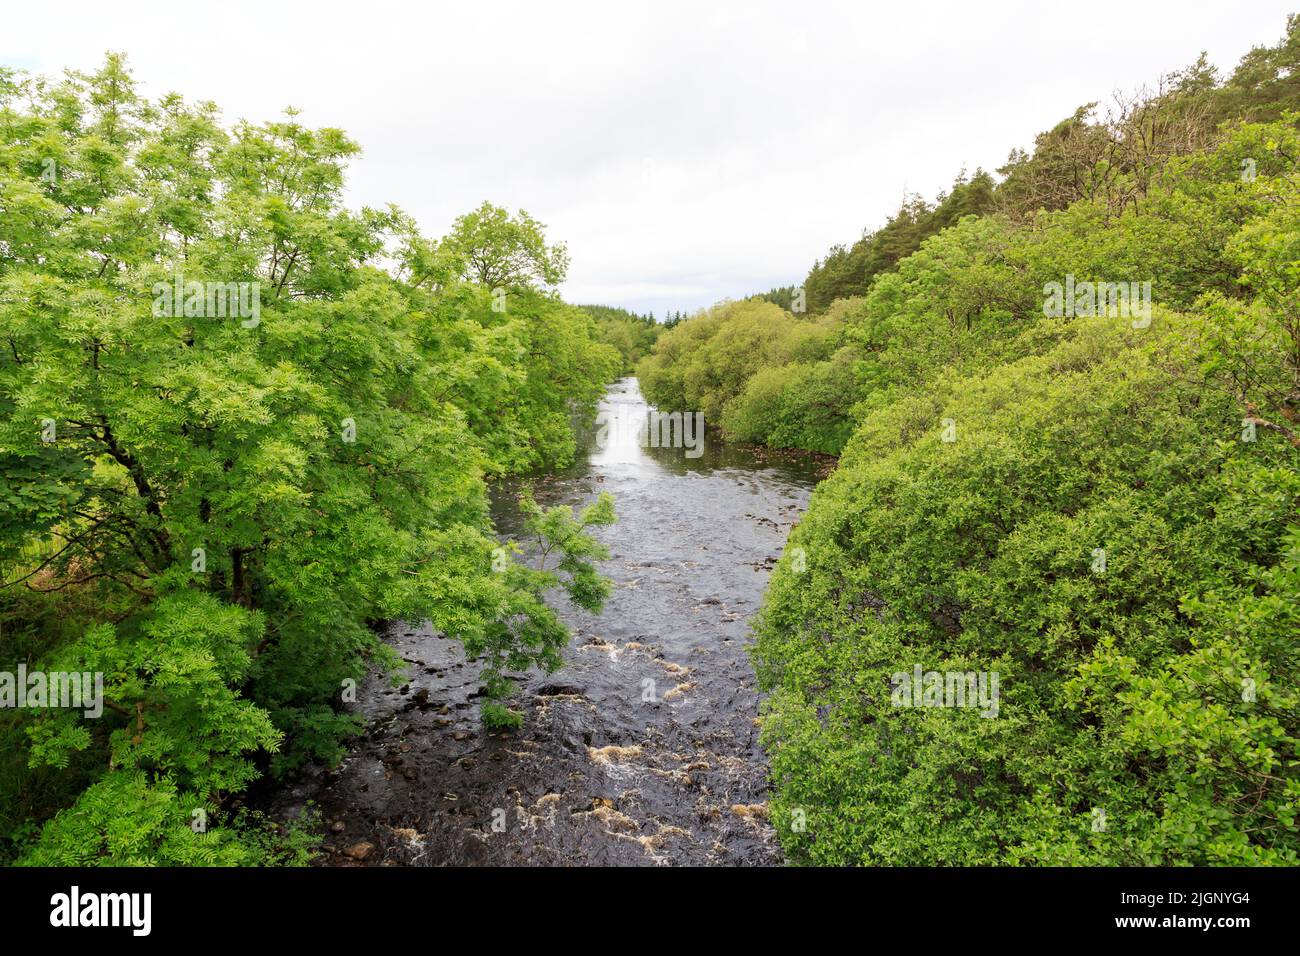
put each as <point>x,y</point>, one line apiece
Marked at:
<point>213,512</point>
<point>992,451</point>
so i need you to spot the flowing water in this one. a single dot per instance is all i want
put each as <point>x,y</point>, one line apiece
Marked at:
<point>643,749</point>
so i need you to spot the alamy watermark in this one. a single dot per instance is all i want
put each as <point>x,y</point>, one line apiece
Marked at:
<point>75,908</point>
<point>651,428</point>
<point>209,300</point>
<point>1128,300</point>
<point>44,689</point>
<point>922,688</point>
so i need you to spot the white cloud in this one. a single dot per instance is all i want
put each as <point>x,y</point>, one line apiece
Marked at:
<point>684,151</point>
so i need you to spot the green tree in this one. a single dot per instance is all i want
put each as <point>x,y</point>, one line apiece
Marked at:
<point>231,439</point>
<point>499,250</point>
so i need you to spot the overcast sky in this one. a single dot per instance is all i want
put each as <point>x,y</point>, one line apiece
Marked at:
<point>686,152</point>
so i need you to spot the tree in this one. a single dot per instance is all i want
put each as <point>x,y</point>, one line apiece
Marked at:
<point>231,439</point>
<point>503,251</point>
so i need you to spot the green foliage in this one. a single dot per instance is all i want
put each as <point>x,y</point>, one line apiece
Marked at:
<point>1264,86</point>
<point>847,272</point>
<point>541,363</point>
<point>210,503</point>
<point>995,453</point>
<point>706,363</point>
<point>805,405</point>
<point>1111,156</point>
<point>525,631</point>
<point>127,819</point>
<point>498,250</point>
<point>633,335</point>
<point>784,296</point>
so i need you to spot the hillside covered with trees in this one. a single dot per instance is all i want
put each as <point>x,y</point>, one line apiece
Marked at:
<point>633,335</point>
<point>1093,496</point>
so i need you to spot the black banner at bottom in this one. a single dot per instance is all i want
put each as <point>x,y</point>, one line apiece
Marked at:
<point>367,904</point>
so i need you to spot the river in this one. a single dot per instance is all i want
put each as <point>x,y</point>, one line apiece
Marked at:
<point>643,749</point>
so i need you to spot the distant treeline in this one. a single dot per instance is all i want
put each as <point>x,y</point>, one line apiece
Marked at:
<point>633,335</point>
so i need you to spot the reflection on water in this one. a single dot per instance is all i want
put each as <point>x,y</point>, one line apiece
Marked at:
<point>613,440</point>
<point>631,447</point>
<point>643,748</point>
<point>625,426</point>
